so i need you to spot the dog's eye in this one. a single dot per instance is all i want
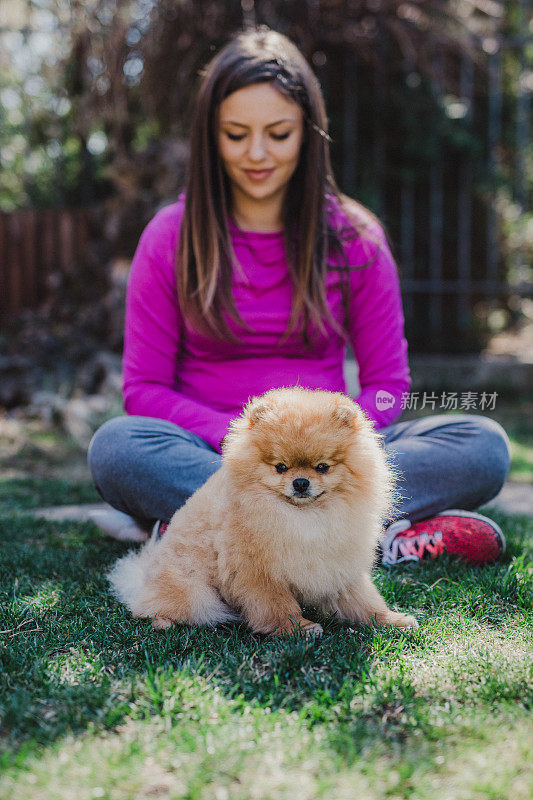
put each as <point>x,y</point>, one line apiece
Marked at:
<point>322,467</point>
<point>281,468</point>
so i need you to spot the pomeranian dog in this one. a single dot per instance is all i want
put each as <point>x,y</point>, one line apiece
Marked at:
<point>292,516</point>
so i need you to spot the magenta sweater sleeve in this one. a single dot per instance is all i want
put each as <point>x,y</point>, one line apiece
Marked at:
<point>377,330</point>
<point>152,339</point>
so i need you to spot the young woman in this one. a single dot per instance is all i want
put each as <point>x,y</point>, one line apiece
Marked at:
<point>256,278</point>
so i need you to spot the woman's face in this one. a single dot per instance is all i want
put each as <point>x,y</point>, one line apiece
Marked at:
<point>259,140</point>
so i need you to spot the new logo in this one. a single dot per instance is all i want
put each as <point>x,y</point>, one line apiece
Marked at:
<point>384,400</point>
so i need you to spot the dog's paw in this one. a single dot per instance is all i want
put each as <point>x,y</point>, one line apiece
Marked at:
<point>293,626</point>
<point>313,629</point>
<point>160,623</point>
<point>399,620</point>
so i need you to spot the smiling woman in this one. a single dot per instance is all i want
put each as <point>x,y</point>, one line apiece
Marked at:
<point>259,144</point>
<point>258,278</point>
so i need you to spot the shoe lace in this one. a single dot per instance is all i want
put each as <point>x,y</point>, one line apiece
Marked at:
<point>423,542</point>
<point>413,548</point>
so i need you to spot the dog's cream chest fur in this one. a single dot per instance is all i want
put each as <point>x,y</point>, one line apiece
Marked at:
<point>317,550</point>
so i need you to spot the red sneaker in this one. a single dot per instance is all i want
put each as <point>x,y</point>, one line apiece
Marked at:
<point>471,536</point>
<point>159,528</point>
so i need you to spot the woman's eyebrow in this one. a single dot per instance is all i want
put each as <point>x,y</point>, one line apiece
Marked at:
<point>270,125</point>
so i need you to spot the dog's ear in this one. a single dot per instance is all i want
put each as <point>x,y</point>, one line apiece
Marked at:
<point>345,412</point>
<point>257,411</point>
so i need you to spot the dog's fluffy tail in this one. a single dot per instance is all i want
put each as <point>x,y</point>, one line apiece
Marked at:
<point>128,577</point>
<point>175,598</point>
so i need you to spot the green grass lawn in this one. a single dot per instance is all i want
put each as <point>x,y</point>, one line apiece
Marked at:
<point>94,704</point>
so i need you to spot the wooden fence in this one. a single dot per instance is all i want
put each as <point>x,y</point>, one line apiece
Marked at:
<point>36,245</point>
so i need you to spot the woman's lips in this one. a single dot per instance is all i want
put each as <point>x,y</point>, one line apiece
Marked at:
<point>258,174</point>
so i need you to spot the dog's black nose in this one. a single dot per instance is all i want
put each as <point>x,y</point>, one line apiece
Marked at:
<point>300,485</point>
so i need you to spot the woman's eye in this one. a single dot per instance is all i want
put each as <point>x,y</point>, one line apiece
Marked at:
<point>238,137</point>
<point>281,468</point>
<point>322,467</point>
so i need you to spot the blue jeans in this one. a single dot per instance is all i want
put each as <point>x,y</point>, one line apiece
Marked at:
<point>148,467</point>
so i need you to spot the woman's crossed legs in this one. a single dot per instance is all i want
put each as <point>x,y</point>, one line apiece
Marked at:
<point>148,467</point>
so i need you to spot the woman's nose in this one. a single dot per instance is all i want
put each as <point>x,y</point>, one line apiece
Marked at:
<point>257,148</point>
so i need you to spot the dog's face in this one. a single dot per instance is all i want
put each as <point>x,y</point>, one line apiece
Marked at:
<point>298,444</point>
<point>297,480</point>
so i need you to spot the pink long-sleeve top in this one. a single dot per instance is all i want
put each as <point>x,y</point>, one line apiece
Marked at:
<point>174,372</point>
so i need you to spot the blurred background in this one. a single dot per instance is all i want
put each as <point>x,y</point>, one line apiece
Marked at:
<point>430,112</point>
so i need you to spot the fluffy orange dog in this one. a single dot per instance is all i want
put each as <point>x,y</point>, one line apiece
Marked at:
<point>292,516</point>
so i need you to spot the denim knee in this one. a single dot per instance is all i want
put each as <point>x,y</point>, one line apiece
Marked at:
<point>491,450</point>
<point>105,446</point>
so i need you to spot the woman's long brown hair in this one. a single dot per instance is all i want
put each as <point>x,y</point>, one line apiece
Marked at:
<point>205,253</point>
